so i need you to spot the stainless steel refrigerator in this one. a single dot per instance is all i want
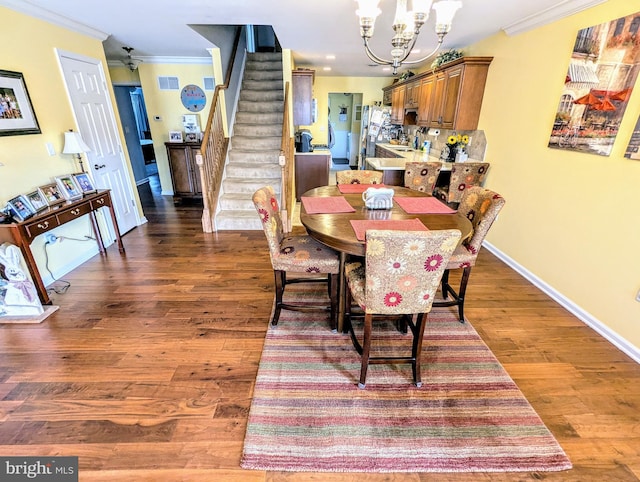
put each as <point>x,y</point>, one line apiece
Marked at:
<point>375,127</point>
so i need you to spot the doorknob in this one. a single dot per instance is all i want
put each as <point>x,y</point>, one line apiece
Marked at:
<point>96,166</point>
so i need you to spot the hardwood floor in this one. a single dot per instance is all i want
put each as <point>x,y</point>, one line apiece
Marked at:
<point>146,370</point>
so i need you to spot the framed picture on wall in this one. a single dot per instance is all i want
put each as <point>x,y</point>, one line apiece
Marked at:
<point>16,112</point>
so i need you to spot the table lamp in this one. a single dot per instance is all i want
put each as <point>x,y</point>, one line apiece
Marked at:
<point>73,144</point>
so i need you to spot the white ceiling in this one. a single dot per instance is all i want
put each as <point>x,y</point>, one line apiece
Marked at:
<point>311,29</point>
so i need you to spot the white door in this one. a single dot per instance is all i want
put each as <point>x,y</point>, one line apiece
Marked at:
<point>93,110</point>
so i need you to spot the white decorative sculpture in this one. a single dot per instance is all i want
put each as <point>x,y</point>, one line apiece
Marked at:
<point>378,198</point>
<point>18,295</point>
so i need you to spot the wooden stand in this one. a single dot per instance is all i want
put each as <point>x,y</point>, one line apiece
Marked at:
<point>22,234</point>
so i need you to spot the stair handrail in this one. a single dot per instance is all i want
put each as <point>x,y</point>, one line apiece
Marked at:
<point>211,156</point>
<point>287,146</point>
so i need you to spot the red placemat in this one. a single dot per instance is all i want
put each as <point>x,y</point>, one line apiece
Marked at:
<point>425,205</point>
<point>326,205</point>
<point>360,226</point>
<point>356,188</point>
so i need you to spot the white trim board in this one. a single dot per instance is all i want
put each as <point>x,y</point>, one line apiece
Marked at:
<point>590,320</point>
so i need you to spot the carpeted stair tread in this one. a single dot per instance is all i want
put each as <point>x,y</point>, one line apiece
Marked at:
<point>255,143</point>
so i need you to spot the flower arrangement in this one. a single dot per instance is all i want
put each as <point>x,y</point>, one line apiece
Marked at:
<point>457,142</point>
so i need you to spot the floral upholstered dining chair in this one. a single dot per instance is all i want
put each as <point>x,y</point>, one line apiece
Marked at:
<point>421,176</point>
<point>480,206</point>
<point>300,254</point>
<point>358,177</point>
<point>463,176</point>
<point>400,275</point>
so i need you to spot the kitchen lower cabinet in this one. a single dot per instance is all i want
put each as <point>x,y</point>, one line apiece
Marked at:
<point>312,170</point>
<point>185,173</point>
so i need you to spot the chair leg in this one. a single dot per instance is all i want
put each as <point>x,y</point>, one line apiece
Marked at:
<point>416,349</point>
<point>463,291</point>
<point>280,281</point>
<point>333,296</point>
<point>366,348</point>
<point>445,283</point>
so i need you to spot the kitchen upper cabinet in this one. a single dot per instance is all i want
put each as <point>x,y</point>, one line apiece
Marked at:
<point>449,97</point>
<point>445,98</point>
<point>412,95</point>
<point>397,104</point>
<point>302,86</point>
<point>425,101</point>
<point>458,92</point>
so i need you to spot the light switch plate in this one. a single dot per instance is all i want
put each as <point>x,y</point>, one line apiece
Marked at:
<point>50,149</point>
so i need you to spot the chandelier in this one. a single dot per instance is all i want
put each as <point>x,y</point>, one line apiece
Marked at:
<point>406,26</point>
<point>130,62</point>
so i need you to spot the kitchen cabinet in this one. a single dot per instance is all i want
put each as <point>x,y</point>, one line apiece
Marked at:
<point>397,104</point>
<point>311,170</point>
<point>390,177</point>
<point>426,100</point>
<point>385,153</point>
<point>302,87</point>
<point>412,95</point>
<point>448,97</point>
<point>458,92</point>
<point>185,173</point>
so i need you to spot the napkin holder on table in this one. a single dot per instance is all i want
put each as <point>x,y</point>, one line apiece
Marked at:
<point>378,198</point>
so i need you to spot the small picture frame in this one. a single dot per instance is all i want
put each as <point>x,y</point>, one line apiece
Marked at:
<point>84,182</point>
<point>175,136</point>
<point>51,194</point>
<point>68,187</point>
<point>20,208</point>
<point>191,137</point>
<point>37,201</point>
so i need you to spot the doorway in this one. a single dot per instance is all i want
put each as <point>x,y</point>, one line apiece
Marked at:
<point>95,118</point>
<point>345,110</point>
<point>137,134</point>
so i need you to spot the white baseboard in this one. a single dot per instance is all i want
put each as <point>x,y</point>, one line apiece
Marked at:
<point>610,335</point>
<point>47,279</point>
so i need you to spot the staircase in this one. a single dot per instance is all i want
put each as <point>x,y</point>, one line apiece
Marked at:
<point>255,143</point>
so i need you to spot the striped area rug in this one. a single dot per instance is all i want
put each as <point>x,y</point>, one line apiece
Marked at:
<point>308,414</point>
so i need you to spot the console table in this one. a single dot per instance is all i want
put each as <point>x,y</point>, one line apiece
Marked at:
<point>22,234</point>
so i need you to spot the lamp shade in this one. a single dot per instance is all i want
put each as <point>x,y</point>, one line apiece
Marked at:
<point>73,143</point>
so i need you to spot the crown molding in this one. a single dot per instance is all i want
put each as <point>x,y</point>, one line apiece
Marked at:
<point>27,8</point>
<point>549,15</point>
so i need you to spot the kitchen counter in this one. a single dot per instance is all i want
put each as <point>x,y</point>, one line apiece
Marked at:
<point>315,151</point>
<point>407,154</point>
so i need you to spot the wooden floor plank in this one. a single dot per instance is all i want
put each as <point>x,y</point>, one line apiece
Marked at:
<point>147,369</point>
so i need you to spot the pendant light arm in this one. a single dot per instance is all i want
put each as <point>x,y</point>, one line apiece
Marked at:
<point>426,57</point>
<point>374,57</point>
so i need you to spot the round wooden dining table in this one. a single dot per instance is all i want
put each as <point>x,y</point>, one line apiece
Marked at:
<point>336,231</point>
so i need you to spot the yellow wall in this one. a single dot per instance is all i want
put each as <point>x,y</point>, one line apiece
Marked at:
<point>167,104</point>
<point>571,219</point>
<point>27,45</point>
<point>369,87</point>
